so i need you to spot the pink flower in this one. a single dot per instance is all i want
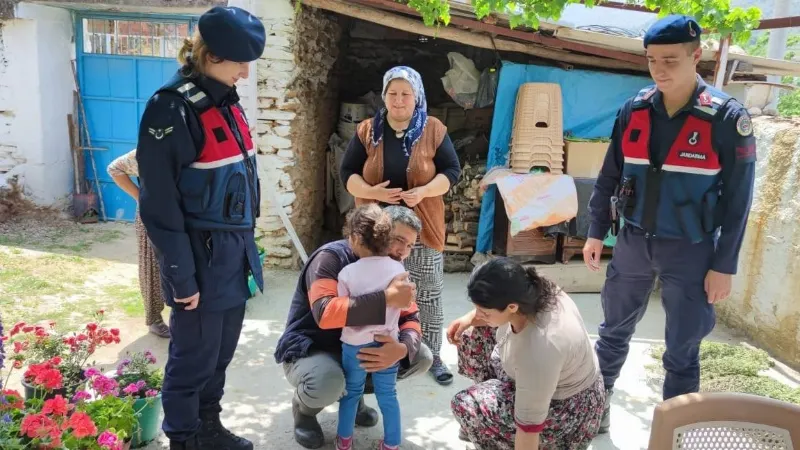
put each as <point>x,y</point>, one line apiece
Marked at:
<point>151,393</point>
<point>109,441</point>
<point>104,385</point>
<point>150,357</point>
<point>131,389</point>
<point>80,396</point>
<point>91,372</point>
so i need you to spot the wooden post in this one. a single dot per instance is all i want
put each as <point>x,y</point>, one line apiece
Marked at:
<point>722,61</point>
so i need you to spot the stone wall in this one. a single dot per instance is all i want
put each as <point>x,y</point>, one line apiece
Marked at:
<point>764,300</point>
<point>297,106</point>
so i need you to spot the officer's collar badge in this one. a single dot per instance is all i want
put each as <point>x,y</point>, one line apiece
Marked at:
<point>159,133</point>
<point>744,126</point>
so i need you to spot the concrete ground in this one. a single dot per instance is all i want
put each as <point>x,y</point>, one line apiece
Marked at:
<point>257,401</point>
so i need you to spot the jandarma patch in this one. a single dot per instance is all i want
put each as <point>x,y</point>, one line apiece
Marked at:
<point>693,155</point>
<point>744,125</point>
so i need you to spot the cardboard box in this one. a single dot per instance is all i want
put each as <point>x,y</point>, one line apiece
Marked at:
<point>584,159</point>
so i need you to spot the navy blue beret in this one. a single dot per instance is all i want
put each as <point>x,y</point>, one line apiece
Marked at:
<point>673,29</point>
<point>232,33</point>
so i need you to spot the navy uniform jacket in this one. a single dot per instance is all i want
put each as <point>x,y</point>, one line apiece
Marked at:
<point>732,139</point>
<point>213,262</point>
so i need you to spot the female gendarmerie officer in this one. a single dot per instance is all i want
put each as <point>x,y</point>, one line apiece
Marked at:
<point>199,201</point>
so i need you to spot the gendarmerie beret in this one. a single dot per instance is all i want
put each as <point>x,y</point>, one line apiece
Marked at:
<point>674,29</point>
<point>232,33</point>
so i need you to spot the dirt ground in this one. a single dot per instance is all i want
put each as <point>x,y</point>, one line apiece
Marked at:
<point>58,269</point>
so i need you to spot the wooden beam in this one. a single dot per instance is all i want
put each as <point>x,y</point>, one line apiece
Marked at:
<point>466,37</point>
<point>528,36</point>
<point>722,62</point>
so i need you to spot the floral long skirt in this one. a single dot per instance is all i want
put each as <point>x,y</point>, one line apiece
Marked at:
<point>149,276</point>
<point>486,410</point>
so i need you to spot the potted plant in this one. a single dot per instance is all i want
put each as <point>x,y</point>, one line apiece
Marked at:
<point>112,411</point>
<point>262,254</point>
<point>50,351</point>
<point>140,379</point>
<point>12,407</point>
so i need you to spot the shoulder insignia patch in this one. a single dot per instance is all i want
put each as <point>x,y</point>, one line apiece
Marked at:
<point>160,133</point>
<point>705,99</point>
<point>744,126</point>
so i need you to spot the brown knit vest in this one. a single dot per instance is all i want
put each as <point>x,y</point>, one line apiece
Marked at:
<point>421,171</point>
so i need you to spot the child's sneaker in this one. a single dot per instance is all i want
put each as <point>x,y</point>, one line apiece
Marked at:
<point>344,443</point>
<point>383,446</point>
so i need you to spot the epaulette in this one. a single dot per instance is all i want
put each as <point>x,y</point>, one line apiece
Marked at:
<point>710,101</point>
<point>642,99</point>
<point>194,95</point>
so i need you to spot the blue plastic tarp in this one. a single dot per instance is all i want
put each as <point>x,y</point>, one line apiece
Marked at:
<point>590,101</point>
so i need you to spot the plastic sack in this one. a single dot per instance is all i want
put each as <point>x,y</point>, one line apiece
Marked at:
<point>487,87</point>
<point>462,80</point>
<point>534,200</point>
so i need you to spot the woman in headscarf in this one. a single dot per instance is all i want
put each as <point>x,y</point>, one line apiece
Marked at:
<point>122,170</point>
<point>403,156</point>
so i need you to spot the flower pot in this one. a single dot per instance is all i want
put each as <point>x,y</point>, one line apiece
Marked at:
<point>251,281</point>
<point>32,392</point>
<point>147,425</point>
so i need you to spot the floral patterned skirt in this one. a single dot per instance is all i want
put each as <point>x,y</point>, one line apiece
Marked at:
<point>486,410</point>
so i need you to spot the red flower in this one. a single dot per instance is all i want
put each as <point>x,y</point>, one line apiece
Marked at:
<point>82,425</point>
<point>27,329</point>
<point>37,426</point>
<point>40,332</point>
<point>101,312</point>
<point>57,406</point>
<point>91,327</point>
<point>115,331</point>
<point>56,360</point>
<point>18,364</point>
<point>81,337</point>
<point>13,400</point>
<point>20,347</point>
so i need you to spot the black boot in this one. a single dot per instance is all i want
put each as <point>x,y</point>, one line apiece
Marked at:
<point>191,444</point>
<point>307,431</point>
<point>213,435</point>
<point>365,416</point>
<point>605,421</point>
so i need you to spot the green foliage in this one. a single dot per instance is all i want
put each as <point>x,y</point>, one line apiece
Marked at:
<point>112,413</point>
<point>735,368</point>
<point>788,102</point>
<point>711,14</point>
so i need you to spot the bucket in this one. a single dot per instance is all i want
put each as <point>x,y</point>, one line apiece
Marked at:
<point>148,421</point>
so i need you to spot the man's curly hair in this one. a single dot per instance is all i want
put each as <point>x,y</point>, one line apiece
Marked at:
<point>371,226</point>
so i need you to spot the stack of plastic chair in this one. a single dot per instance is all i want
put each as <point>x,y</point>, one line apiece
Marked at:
<point>537,139</point>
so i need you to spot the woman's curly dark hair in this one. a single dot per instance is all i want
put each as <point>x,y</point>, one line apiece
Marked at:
<point>502,281</point>
<point>371,226</point>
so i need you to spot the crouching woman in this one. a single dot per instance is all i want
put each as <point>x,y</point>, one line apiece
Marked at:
<point>538,382</point>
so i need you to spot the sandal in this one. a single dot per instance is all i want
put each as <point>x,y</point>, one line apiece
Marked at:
<point>440,372</point>
<point>160,329</point>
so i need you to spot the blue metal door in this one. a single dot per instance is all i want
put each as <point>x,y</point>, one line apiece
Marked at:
<point>122,60</point>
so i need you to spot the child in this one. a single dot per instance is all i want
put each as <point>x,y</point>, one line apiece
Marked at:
<point>368,229</point>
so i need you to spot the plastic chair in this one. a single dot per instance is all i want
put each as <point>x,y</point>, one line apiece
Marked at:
<point>725,421</point>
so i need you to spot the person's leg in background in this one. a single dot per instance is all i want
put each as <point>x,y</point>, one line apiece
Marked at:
<point>682,268</point>
<point>426,269</point>
<point>150,282</point>
<point>212,433</point>
<point>385,382</point>
<point>629,281</point>
<point>354,378</point>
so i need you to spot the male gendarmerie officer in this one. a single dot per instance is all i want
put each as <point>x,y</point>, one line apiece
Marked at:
<point>679,171</point>
<point>199,202</point>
